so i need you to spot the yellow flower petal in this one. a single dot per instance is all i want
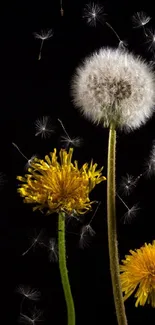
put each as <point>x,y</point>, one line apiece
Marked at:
<point>60,186</point>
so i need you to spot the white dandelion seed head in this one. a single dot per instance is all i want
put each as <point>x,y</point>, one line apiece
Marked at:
<point>114,86</point>
<point>140,19</point>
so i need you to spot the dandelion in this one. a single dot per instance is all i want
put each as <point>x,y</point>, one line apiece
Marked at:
<point>44,35</point>
<point>59,186</point>
<point>116,89</point>
<point>138,272</point>
<point>44,127</point>
<point>113,86</point>
<point>140,19</point>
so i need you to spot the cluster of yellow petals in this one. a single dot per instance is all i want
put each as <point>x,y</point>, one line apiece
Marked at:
<point>138,269</point>
<point>59,186</point>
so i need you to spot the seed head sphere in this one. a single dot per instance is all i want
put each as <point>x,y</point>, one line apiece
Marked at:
<point>115,86</point>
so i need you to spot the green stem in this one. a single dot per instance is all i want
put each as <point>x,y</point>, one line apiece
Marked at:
<point>63,270</point>
<point>112,229</point>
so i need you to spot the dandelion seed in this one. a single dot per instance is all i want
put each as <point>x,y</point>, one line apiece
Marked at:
<point>85,237</point>
<point>34,319</point>
<point>53,250</point>
<point>44,127</point>
<point>130,214</point>
<point>44,35</point>
<point>93,13</point>
<point>87,231</point>
<point>122,45</point>
<point>27,292</point>
<point>35,241</point>
<point>128,184</point>
<point>29,161</point>
<point>150,41</point>
<point>72,217</point>
<point>74,142</point>
<point>140,19</point>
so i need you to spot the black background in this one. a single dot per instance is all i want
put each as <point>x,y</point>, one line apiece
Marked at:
<point>31,89</point>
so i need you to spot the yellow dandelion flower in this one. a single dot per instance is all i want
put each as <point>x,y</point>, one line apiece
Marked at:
<point>60,186</point>
<point>138,269</point>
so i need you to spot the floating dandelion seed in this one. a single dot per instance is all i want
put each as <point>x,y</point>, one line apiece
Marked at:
<point>35,241</point>
<point>149,164</point>
<point>74,142</point>
<point>53,250</point>
<point>27,292</point>
<point>140,19</point>
<point>131,213</point>
<point>44,127</point>
<point>29,161</point>
<point>128,184</point>
<point>87,231</point>
<point>138,272</point>
<point>150,41</point>
<point>44,35</point>
<point>94,13</point>
<point>34,319</point>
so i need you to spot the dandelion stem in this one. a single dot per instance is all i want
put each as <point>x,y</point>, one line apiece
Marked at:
<point>63,270</point>
<point>112,231</point>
